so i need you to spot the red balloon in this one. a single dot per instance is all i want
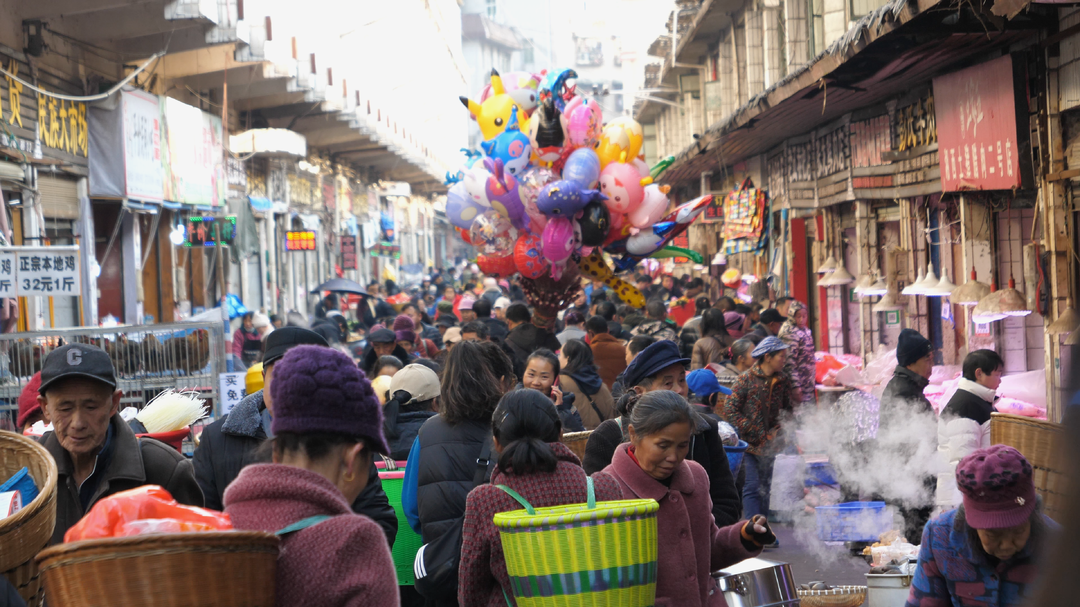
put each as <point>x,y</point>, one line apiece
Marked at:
<point>464,235</point>
<point>497,266</point>
<point>527,257</point>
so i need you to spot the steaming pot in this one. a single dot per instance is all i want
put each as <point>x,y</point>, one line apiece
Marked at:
<point>757,583</point>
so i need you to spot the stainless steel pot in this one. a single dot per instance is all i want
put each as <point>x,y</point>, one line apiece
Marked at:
<point>757,583</point>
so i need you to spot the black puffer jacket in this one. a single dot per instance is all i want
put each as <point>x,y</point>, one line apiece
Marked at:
<point>448,455</point>
<point>401,425</point>
<point>525,339</point>
<point>906,386</point>
<point>231,442</point>
<point>367,363</point>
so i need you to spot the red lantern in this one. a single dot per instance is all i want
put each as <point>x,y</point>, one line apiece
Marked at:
<point>497,266</point>
<point>527,257</point>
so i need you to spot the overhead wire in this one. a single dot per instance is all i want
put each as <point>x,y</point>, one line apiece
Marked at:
<point>87,98</point>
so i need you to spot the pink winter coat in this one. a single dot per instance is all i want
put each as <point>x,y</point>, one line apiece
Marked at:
<point>691,545</point>
<point>342,561</point>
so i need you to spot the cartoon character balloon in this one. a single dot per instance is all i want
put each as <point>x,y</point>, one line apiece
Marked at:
<point>521,86</point>
<point>546,130</point>
<point>528,257</point>
<point>554,82</point>
<point>652,207</point>
<point>503,192</point>
<point>511,146</point>
<point>582,120</point>
<point>497,266</point>
<point>558,243</point>
<point>493,115</point>
<point>650,240</point>
<point>563,199</point>
<point>492,234</point>
<point>460,208</point>
<point>623,186</point>
<point>594,223</point>
<point>583,168</point>
<point>475,179</point>
<point>620,141</point>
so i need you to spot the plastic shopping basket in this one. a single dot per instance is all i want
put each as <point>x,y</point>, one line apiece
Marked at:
<point>598,554</point>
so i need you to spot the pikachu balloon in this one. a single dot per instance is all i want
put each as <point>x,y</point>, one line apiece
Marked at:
<point>493,115</point>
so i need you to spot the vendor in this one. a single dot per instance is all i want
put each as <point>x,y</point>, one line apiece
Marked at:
<point>985,551</point>
<point>96,452</point>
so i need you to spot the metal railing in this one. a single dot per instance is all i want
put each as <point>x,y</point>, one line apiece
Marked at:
<point>147,359</point>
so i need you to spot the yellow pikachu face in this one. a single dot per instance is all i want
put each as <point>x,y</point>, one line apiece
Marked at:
<point>494,113</point>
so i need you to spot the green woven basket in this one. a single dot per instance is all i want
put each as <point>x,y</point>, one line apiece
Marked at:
<point>408,542</point>
<point>597,554</point>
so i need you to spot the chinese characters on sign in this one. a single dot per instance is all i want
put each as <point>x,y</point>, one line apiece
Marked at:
<point>233,390</point>
<point>976,114</point>
<point>32,122</point>
<point>300,241</point>
<point>348,253</point>
<point>45,271</point>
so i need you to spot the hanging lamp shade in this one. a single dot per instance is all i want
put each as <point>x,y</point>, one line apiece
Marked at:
<point>971,292</point>
<point>1066,323</point>
<point>913,288</point>
<point>878,288</point>
<point>840,277</point>
<point>1073,339</point>
<point>1012,302</point>
<point>928,282</point>
<point>988,309</point>
<point>943,287</point>
<point>828,266</point>
<point>864,282</point>
<point>888,303</point>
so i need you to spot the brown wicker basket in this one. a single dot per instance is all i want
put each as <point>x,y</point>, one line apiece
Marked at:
<point>201,569</point>
<point>25,533</point>
<point>576,441</point>
<point>1041,443</point>
<point>837,596</point>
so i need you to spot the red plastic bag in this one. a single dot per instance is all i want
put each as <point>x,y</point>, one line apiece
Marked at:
<point>146,509</point>
<point>826,363</point>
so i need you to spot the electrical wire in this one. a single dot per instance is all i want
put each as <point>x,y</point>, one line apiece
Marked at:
<point>90,98</point>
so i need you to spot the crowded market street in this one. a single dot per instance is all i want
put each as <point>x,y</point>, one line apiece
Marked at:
<point>538,303</point>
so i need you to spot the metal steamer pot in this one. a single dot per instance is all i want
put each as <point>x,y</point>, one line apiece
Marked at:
<point>757,583</point>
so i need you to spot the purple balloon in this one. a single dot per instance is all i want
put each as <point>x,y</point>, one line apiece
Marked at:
<point>582,167</point>
<point>460,208</point>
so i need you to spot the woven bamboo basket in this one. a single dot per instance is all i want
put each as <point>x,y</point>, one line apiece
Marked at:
<point>202,569</point>
<point>838,596</point>
<point>576,441</point>
<point>1041,443</point>
<point>25,533</point>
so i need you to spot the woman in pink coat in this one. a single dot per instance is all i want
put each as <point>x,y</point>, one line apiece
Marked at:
<point>653,465</point>
<point>327,426</point>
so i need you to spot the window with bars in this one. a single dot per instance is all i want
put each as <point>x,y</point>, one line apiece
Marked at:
<point>816,40</point>
<point>491,8</point>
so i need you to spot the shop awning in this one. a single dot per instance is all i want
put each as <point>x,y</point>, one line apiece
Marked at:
<point>261,205</point>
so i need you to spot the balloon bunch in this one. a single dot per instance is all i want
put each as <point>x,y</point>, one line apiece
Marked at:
<point>555,186</point>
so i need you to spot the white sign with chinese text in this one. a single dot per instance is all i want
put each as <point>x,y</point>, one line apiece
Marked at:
<point>143,170</point>
<point>233,390</point>
<point>32,271</point>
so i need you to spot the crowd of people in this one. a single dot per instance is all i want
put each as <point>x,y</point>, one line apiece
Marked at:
<point>461,384</point>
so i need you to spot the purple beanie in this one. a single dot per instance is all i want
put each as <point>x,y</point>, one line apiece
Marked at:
<point>319,389</point>
<point>404,329</point>
<point>997,487</point>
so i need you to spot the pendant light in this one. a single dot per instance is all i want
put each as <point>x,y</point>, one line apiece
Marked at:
<point>1066,323</point>
<point>1006,302</point>
<point>971,292</point>
<point>943,287</point>
<point>864,282</point>
<point>828,266</point>
<point>878,288</point>
<point>913,289</point>
<point>888,303</point>
<point>930,281</point>
<point>839,277</point>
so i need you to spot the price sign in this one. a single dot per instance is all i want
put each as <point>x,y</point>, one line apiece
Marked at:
<point>303,240</point>
<point>348,253</point>
<point>39,271</point>
<point>232,390</point>
<point>8,279</point>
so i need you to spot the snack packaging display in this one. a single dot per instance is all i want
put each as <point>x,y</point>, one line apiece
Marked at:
<point>143,510</point>
<point>10,503</point>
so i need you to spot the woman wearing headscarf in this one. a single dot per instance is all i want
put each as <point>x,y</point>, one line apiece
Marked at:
<point>801,366</point>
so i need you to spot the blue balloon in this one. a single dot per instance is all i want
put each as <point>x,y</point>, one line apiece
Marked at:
<point>460,208</point>
<point>583,168</point>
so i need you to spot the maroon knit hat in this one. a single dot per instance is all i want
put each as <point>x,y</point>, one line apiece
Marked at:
<point>997,488</point>
<point>28,402</point>
<point>404,329</point>
<point>318,389</point>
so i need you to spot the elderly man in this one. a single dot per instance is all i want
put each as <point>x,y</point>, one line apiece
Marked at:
<point>96,452</point>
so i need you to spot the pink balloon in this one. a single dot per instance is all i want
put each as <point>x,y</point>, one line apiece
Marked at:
<point>583,121</point>
<point>652,208</point>
<point>557,241</point>
<point>621,183</point>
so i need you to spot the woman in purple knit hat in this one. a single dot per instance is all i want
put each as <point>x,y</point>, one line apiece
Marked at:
<point>986,552</point>
<point>327,428</point>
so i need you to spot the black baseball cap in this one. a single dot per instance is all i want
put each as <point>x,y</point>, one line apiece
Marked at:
<point>77,360</point>
<point>280,341</point>
<point>770,316</point>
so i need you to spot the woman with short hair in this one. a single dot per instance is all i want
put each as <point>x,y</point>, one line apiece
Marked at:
<point>714,343</point>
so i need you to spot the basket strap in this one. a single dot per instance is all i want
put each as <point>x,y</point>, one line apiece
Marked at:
<point>302,524</point>
<point>514,494</point>
<point>592,493</point>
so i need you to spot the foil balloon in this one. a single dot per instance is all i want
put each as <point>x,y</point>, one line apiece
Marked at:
<point>558,243</point>
<point>492,234</point>
<point>650,240</point>
<point>475,180</point>
<point>546,130</point>
<point>594,223</point>
<point>497,266</point>
<point>521,86</point>
<point>464,234</point>
<point>460,208</point>
<point>493,115</point>
<point>512,147</point>
<point>583,168</point>
<point>620,141</point>
<point>504,194</point>
<point>582,120</point>
<point>563,199</point>
<point>642,166</point>
<point>471,158</point>
<point>593,265</point>
<point>528,258</point>
<point>623,186</point>
<point>554,82</point>
<point>652,207</point>
<point>530,185</point>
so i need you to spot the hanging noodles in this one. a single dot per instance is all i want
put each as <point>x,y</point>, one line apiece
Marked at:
<point>171,411</point>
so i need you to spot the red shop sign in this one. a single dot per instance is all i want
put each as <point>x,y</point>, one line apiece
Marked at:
<point>976,112</point>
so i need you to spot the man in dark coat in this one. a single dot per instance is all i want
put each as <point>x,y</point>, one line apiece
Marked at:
<point>373,307</point>
<point>382,342</point>
<point>525,337</point>
<point>232,442</point>
<point>96,452</point>
<point>977,390</point>
<point>497,329</point>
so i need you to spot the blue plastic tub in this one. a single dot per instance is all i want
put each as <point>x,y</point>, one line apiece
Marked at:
<point>853,521</point>
<point>24,484</point>
<point>820,473</point>
<point>735,456</point>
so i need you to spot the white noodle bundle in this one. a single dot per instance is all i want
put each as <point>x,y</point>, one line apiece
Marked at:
<point>171,411</point>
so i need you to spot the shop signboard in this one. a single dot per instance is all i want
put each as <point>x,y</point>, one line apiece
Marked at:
<point>195,162</point>
<point>205,231</point>
<point>976,115</point>
<point>300,240</point>
<point>143,174</point>
<point>48,271</point>
<point>233,390</point>
<point>39,125</point>
<point>348,253</point>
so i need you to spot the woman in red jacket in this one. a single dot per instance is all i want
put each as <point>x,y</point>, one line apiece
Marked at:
<point>653,465</point>
<point>532,462</point>
<point>327,426</point>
